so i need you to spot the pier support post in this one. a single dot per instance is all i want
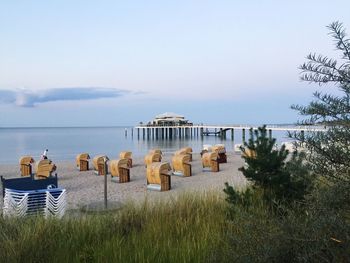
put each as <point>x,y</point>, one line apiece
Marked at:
<point>270,133</point>
<point>302,135</point>
<point>143,133</point>
<point>243,135</point>
<point>138,133</point>
<point>251,134</point>
<point>232,134</point>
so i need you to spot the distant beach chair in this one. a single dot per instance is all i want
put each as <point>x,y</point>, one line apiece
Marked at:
<point>155,151</point>
<point>158,177</point>
<point>203,152</point>
<point>152,157</point>
<point>181,165</point>
<point>210,162</point>
<point>82,161</point>
<point>26,165</point>
<point>126,155</point>
<point>187,151</point>
<point>120,169</point>
<point>289,146</point>
<point>221,150</point>
<point>207,147</point>
<point>100,164</point>
<point>237,147</point>
<point>44,169</point>
<point>248,153</point>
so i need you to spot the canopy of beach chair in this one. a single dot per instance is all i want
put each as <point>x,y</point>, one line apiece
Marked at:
<point>179,162</point>
<point>99,159</point>
<point>152,157</point>
<point>45,168</point>
<point>208,157</point>
<point>82,157</point>
<point>26,160</point>
<point>155,170</point>
<point>115,165</point>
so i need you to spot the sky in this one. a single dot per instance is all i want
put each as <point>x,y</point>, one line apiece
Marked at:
<point>116,63</point>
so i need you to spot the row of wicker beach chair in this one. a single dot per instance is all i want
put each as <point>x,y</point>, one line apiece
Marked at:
<point>44,168</point>
<point>157,172</point>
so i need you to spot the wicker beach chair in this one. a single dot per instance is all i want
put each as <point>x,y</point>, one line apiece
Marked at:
<point>153,157</point>
<point>158,177</point>
<point>44,169</point>
<point>100,164</point>
<point>120,170</point>
<point>128,156</point>
<point>181,165</point>
<point>186,150</point>
<point>82,161</point>
<point>26,165</point>
<point>155,151</point>
<point>248,153</point>
<point>221,150</point>
<point>237,147</point>
<point>210,162</point>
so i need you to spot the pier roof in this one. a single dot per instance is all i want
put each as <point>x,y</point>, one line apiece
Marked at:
<point>168,115</point>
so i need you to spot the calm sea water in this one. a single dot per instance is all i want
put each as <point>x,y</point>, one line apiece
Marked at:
<point>66,143</point>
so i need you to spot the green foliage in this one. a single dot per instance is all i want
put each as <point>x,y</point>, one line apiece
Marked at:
<point>269,168</point>
<point>241,198</point>
<point>305,234</point>
<point>329,151</point>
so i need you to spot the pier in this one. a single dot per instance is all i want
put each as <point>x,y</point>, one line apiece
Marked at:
<point>151,131</point>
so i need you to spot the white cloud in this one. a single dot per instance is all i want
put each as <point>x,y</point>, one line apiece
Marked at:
<point>29,98</point>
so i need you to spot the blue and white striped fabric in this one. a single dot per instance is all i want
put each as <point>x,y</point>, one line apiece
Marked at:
<point>47,202</point>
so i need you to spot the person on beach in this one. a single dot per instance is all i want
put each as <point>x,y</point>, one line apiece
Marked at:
<point>44,155</point>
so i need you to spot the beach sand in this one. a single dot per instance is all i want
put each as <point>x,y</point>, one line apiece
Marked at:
<point>86,188</point>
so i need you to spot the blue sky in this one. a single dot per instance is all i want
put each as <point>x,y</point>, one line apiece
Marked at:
<point>91,63</point>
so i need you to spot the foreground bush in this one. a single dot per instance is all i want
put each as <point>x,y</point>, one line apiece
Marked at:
<point>318,231</point>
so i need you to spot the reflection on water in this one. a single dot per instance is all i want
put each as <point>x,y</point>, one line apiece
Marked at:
<point>66,143</point>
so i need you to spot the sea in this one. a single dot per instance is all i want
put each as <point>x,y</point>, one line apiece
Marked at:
<point>65,143</point>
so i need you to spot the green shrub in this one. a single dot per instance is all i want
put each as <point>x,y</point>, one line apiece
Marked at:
<point>281,179</point>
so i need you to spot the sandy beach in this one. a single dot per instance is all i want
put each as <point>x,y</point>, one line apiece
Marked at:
<point>85,188</point>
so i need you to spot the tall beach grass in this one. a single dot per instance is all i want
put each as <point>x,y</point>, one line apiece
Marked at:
<point>189,228</point>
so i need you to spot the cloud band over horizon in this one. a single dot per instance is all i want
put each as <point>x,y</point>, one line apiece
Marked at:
<point>29,98</point>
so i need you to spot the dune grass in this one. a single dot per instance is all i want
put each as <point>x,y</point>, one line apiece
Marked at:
<point>200,227</point>
<point>190,228</point>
